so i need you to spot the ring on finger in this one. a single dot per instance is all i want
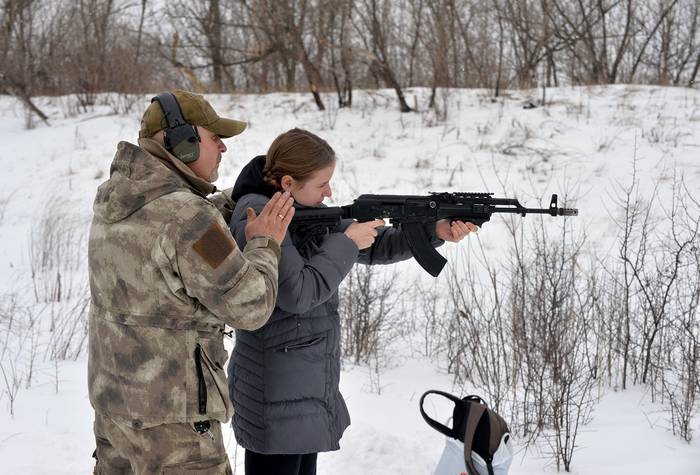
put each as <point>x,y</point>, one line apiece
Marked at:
<point>280,216</point>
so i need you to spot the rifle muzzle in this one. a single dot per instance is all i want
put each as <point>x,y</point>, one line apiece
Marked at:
<point>567,211</point>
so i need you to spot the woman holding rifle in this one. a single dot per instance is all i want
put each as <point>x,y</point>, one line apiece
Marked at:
<point>283,378</point>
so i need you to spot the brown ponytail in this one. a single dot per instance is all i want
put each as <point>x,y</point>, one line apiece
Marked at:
<point>297,153</point>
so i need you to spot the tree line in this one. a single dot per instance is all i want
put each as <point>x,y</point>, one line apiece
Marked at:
<point>84,47</point>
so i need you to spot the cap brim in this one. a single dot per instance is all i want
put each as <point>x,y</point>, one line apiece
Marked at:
<point>226,128</point>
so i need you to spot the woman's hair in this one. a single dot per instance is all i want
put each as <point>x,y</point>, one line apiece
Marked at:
<point>297,153</point>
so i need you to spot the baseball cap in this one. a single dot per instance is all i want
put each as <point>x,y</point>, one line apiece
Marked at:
<point>196,110</point>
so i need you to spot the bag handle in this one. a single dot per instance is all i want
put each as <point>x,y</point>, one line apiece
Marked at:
<point>476,412</point>
<point>450,432</point>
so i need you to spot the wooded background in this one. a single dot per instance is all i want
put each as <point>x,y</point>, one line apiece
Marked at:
<point>51,47</point>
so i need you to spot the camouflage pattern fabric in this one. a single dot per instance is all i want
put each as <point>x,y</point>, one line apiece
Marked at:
<point>165,449</point>
<point>165,277</point>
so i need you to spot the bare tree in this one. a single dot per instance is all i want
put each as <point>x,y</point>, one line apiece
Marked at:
<point>13,382</point>
<point>368,301</point>
<point>528,37</point>
<point>655,20</point>
<point>594,38</point>
<point>681,381</point>
<point>480,341</point>
<point>339,19</point>
<point>431,317</point>
<point>139,34</point>
<point>92,46</point>
<point>286,27</point>
<point>694,73</point>
<point>658,281</point>
<point>376,31</point>
<point>89,60</point>
<point>521,333</point>
<point>438,40</point>
<point>19,54</point>
<point>632,251</point>
<point>204,37</point>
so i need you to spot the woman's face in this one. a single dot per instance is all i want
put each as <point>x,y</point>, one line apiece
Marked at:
<point>312,191</point>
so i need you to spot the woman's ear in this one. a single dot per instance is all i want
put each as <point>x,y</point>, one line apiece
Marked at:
<point>286,183</point>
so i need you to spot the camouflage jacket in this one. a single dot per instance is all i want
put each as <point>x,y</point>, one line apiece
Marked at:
<point>165,276</point>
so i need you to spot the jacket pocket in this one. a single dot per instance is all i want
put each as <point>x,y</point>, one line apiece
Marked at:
<point>300,345</point>
<point>216,466</point>
<point>297,369</point>
<point>212,388</point>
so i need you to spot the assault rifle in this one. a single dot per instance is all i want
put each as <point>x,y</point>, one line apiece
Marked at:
<point>409,213</point>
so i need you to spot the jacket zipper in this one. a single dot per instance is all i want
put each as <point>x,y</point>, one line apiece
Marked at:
<point>201,384</point>
<point>299,346</point>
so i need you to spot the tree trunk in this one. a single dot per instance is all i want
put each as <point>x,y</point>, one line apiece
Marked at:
<point>139,35</point>
<point>312,75</point>
<point>213,32</point>
<point>383,71</point>
<point>694,74</point>
<point>20,92</point>
<point>499,71</point>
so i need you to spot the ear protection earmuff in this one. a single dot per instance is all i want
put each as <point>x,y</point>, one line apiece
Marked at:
<point>181,139</point>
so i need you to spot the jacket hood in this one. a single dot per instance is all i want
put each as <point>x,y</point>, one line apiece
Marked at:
<point>250,180</point>
<point>135,179</point>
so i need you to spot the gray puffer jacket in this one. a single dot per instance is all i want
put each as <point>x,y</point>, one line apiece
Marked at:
<point>283,378</point>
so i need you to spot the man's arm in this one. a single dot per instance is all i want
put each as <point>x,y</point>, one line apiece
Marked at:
<point>304,283</point>
<point>239,287</point>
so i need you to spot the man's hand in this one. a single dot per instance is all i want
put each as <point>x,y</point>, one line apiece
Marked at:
<point>454,232</point>
<point>363,234</point>
<point>274,218</point>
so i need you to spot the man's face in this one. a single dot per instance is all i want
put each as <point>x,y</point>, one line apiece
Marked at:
<point>313,191</point>
<point>210,149</point>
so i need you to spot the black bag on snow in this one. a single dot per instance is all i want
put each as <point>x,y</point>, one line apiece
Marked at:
<point>484,433</point>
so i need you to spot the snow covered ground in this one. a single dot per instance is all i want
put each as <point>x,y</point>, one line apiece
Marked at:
<point>582,146</point>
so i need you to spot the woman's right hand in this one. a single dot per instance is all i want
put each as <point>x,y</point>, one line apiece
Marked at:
<point>363,234</point>
<point>274,218</point>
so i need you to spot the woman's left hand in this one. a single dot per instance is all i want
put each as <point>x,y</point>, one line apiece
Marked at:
<point>454,232</point>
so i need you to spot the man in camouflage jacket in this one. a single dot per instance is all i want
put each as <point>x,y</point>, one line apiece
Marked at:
<point>165,278</point>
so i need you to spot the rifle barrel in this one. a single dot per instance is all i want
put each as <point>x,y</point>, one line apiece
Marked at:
<point>550,211</point>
